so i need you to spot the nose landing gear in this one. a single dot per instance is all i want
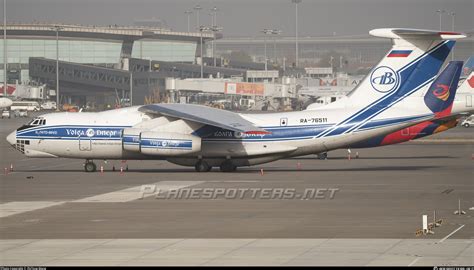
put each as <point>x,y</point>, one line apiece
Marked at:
<point>90,166</point>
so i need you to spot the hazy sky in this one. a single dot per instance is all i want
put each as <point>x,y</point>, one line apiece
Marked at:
<point>248,17</point>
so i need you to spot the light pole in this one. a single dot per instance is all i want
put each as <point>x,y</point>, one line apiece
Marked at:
<point>265,33</point>
<point>57,29</point>
<point>149,72</point>
<point>188,14</point>
<point>202,71</point>
<point>440,11</point>
<point>214,15</point>
<point>270,32</point>
<point>453,14</point>
<point>275,32</point>
<point>215,29</point>
<point>332,65</point>
<point>197,8</point>
<point>5,92</point>
<point>131,88</point>
<point>296,2</point>
<point>202,29</point>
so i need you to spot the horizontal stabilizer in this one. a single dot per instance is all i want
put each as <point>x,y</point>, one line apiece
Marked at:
<point>407,33</point>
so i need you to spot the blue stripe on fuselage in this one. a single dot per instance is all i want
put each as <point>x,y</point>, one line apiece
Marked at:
<point>72,132</point>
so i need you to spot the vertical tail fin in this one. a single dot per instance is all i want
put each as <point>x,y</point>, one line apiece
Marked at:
<point>468,66</point>
<point>413,62</point>
<point>440,96</point>
<point>468,85</point>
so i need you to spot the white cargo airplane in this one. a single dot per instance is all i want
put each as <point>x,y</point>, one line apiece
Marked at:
<point>194,135</point>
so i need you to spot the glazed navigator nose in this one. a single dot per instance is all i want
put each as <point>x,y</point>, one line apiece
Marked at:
<point>11,138</point>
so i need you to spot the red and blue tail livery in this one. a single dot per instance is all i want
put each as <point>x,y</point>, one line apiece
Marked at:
<point>442,92</point>
<point>399,53</point>
<point>440,95</point>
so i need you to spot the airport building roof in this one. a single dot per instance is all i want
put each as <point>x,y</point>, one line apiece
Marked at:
<point>111,32</point>
<point>350,39</point>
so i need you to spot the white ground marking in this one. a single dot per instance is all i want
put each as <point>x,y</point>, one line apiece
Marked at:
<point>233,181</point>
<point>13,208</point>
<point>133,193</point>
<point>447,236</point>
<point>414,261</point>
<point>125,195</point>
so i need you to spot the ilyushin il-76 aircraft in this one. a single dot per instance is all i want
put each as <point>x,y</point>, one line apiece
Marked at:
<point>204,137</point>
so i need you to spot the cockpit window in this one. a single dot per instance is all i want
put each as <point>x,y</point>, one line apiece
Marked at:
<point>38,121</point>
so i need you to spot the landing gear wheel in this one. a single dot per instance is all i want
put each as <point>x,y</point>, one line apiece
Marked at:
<point>90,166</point>
<point>202,166</point>
<point>228,166</point>
<point>323,156</point>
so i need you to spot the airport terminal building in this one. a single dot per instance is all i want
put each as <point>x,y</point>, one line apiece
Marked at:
<point>96,60</point>
<point>92,45</point>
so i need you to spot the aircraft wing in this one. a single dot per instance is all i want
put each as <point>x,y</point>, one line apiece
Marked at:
<point>205,115</point>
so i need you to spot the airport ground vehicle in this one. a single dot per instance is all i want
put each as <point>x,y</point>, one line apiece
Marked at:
<point>21,113</point>
<point>25,105</point>
<point>204,137</point>
<point>246,103</point>
<point>6,114</point>
<point>468,122</point>
<point>48,105</point>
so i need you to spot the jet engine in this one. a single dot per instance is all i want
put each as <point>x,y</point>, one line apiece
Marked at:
<point>158,143</point>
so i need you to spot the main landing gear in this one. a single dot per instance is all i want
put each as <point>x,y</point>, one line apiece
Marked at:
<point>323,156</point>
<point>90,166</point>
<point>226,166</point>
<point>202,166</point>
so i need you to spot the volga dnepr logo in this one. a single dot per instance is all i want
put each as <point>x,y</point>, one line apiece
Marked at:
<point>384,79</point>
<point>90,132</point>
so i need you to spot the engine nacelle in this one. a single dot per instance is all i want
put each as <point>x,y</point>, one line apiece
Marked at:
<point>131,139</point>
<point>160,143</point>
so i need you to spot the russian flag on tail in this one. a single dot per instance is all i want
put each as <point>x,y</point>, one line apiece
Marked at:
<point>399,53</point>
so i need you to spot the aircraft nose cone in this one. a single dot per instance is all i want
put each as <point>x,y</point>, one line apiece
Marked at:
<point>11,138</point>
